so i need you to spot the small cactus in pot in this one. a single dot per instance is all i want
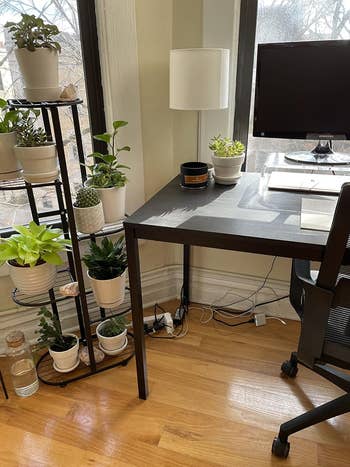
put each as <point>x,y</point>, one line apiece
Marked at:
<point>88,210</point>
<point>87,198</point>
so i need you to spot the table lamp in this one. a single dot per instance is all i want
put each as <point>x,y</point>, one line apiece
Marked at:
<point>199,80</point>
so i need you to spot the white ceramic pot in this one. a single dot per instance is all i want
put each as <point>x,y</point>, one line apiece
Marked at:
<point>227,169</point>
<point>32,281</point>
<point>9,166</point>
<point>108,293</point>
<point>113,202</point>
<point>89,220</point>
<point>39,163</point>
<point>110,343</point>
<point>39,70</point>
<point>68,359</point>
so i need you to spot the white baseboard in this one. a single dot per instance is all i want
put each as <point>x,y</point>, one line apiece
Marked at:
<point>163,284</point>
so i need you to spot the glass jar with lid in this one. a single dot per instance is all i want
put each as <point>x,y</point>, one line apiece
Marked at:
<point>22,367</point>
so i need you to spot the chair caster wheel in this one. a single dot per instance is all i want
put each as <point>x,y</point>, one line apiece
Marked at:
<point>280,449</point>
<point>289,369</point>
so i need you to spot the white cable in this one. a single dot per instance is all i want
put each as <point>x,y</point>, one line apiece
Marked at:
<point>278,319</point>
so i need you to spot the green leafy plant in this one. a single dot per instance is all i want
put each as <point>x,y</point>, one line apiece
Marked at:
<point>226,147</point>
<point>32,33</point>
<point>105,172</point>
<point>108,260</point>
<point>113,327</point>
<point>28,135</point>
<point>86,197</point>
<point>33,245</point>
<point>50,332</point>
<point>8,117</point>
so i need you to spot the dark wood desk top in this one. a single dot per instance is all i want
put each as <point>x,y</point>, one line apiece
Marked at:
<point>244,217</point>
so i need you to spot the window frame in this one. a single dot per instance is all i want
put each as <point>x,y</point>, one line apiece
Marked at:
<point>245,65</point>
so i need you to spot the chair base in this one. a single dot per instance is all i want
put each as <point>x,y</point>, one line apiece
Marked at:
<point>339,406</point>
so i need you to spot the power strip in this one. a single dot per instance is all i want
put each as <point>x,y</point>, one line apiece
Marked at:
<point>165,319</point>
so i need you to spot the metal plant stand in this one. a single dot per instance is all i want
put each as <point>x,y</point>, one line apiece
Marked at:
<point>87,312</point>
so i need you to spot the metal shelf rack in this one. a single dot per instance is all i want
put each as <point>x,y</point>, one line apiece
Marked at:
<point>88,313</point>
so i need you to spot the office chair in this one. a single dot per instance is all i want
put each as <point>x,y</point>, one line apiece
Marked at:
<point>323,303</point>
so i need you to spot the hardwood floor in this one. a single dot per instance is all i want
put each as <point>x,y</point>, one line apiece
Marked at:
<point>216,398</point>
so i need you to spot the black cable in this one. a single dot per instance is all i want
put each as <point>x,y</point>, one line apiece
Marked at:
<point>238,312</point>
<point>232,325</point>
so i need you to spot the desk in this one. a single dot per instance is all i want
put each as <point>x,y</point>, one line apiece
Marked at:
<point>245,217</point>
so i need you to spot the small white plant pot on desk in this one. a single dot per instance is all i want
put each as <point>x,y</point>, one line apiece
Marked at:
<point>39,163</point>
<point>113,202</point>
<point>110,344</point>
<point>108,293</point>
<point>89,220</point>
<point>227,170</point>
<point>35,280</point>
<point>67,360</point>
<point>9,166</point>
<point>39,70</point>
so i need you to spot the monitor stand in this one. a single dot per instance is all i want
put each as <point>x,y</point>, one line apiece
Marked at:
<point>321,155</point>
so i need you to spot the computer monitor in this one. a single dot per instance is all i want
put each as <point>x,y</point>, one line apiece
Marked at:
<point>303,92</point>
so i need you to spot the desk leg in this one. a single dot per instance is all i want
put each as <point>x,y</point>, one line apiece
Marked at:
<point>137,309</point>
<point>186,274</point>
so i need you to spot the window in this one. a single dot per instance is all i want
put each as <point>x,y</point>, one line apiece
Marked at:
<point>14,206</point>
<point>293,20</point>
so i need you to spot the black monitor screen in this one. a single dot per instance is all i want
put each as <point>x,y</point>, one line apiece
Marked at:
<point>303,90</point>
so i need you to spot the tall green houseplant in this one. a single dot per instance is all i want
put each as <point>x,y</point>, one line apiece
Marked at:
<point>107,176</point>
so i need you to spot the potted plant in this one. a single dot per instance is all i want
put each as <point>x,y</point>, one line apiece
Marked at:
<point>88,211</point>
<point>37,57</point>
<point>107,177</point>
<point>227,159</point>
<point>111,335</point>
<point>9,167</point>
<point>37,155</point>
<point>32,256</point>
<point>106,270</point>
<point>63,348</point>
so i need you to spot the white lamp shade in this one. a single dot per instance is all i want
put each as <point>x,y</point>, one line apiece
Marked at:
<point>199,79</point>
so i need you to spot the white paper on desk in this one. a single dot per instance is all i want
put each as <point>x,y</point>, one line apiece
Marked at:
<point>317,214</point>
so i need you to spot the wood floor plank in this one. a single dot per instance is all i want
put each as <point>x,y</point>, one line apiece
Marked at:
<point>216,399</point>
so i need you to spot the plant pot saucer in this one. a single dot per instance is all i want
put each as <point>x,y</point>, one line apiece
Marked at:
<point>114,352</point>
<point>226,180</point>
<point>66,370</point>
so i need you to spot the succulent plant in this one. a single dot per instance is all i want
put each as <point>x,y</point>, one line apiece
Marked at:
<point>113,327</point>
<point>226,147</point>
<point>87,197</point>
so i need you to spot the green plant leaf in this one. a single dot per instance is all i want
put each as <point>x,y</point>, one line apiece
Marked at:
<point>52,258</point>
<point>124,148</point>
<point>119,123</point>
<point>105,137</point>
